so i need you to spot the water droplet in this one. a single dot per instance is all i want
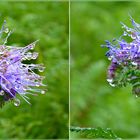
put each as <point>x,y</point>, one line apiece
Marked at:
<point>110,58</point>
<point>133,36</point>
<point>134,63</point>
<point>41,69</point>
<point>43,92</point>
<point>128,30</point>
<point>113,85</point>
<point>34,55</point>
<point>32,46</point>
<point>6,30</point>
<point>17,86</point>
<point>29,55</point>
<point>37,85</point>
<point>128,79</point>
<point>16,102</point>
<point>24,88</point>
<point>8,85</point>
<point>125,33</point>
<point>110,80</point>
<point>136,96</point>
<point>1,93</point>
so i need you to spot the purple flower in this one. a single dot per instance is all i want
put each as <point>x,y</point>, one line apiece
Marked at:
<point>17,77</point>
<point>125,58</point>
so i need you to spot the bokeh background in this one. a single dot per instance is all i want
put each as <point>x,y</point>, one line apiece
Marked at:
<point>47,117</point>
<point>93,102</point>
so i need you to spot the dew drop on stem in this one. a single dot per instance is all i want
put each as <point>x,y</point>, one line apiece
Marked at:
<point>6,30</point>
<point>110,80</point>
<point>43,92</point>
<point>16,102</point>
<point>1,93</point>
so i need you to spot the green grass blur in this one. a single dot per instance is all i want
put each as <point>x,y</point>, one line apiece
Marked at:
<point>93,102</point>
<point>47,117</point>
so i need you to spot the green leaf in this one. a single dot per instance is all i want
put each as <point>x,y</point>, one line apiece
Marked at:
<point>95,132</point>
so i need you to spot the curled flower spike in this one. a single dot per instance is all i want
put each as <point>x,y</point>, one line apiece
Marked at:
<point>125,59</point>
<point>16,77</point>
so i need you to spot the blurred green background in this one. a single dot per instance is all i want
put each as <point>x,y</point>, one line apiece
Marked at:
<point>93,102</point>
<point>47,117</point>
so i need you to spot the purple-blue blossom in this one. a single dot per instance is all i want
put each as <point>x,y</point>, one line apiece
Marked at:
<point>17,77</point>
<point>125,58</point>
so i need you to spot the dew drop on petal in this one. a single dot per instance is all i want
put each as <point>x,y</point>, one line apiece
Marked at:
<point>17,86</point>
<point>16,102</point>
<point>24,88</point>
<point>37,85</point>
<point>133,36</point>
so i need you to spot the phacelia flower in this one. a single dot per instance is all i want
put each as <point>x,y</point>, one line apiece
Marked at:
<point>125,58</point>
<point>17,77</point>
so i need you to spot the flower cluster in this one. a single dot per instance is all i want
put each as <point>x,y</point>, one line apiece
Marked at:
<point>125,58</point>
<point>17,77</point>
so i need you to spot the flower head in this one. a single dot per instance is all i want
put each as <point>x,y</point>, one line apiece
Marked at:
<point>17,77</point>
<point>125,58</point>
